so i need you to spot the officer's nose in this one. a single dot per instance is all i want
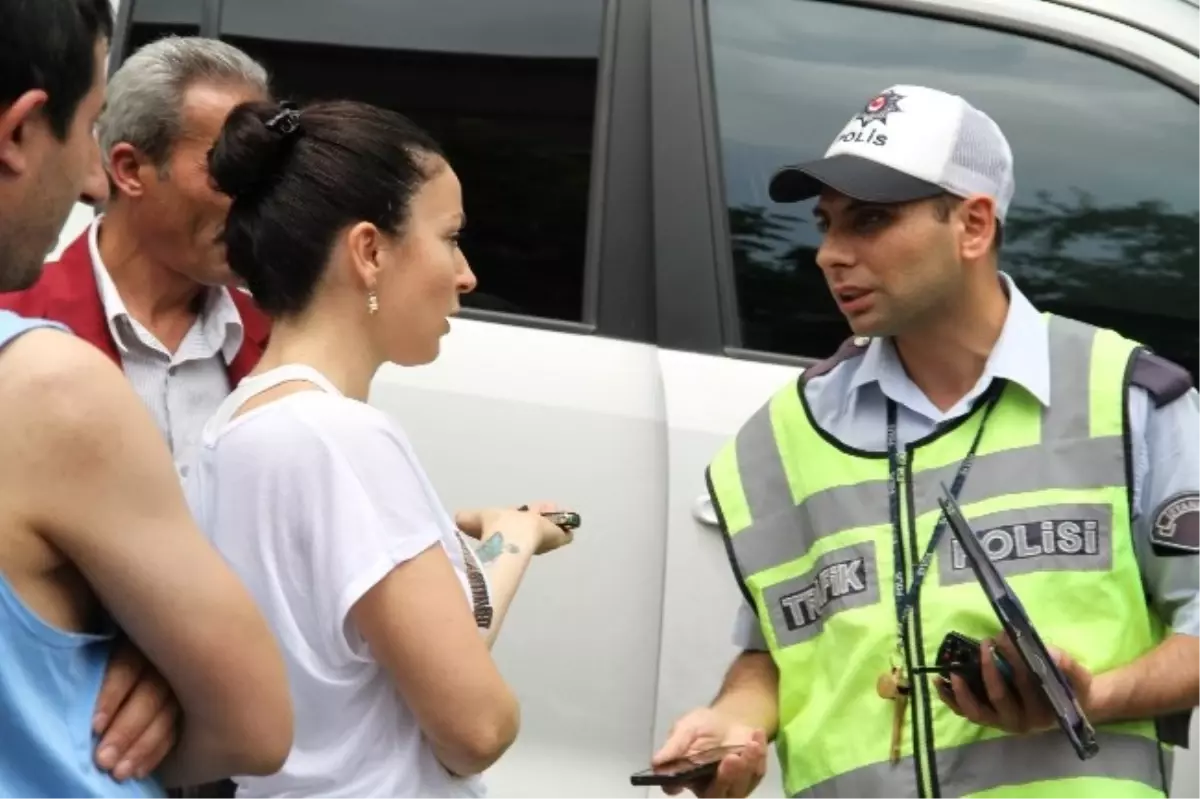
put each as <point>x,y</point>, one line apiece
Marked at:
<point>834,252</point>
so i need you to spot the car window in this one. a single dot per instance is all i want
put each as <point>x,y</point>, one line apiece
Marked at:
<point>154,19</point>
<point>1104,223</point>
<point>507,87</point>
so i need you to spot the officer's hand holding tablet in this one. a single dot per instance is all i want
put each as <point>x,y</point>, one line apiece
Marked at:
<point>1017,683</point>
<point>1015,705</point>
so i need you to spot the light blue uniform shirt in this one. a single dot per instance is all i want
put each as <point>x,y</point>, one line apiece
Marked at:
<point>49,682</point>
<point>850,403</point>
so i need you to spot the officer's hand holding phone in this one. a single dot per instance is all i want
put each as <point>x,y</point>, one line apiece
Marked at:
<point>740,769</point>
<point>1020,709</point>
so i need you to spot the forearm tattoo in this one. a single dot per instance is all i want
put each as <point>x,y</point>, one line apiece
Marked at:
<point>494,547</point>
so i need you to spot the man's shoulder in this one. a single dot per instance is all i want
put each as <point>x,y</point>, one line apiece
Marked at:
<point>1163,380</point>
<point>48,373</point>
<point>844,356</point>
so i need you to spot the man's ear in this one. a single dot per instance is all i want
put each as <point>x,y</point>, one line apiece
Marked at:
<point>16,123</point>
<point>977,215</point>
<point>126,169</point>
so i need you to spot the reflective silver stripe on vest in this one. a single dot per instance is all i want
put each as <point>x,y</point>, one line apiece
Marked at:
<point>1011,760</point>
<point>1065,459</point>
<point>787,534</point>
<point>761,466</point>
<point>1069,414</point>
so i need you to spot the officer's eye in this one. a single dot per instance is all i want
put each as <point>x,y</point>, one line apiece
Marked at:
<point>871,218</point>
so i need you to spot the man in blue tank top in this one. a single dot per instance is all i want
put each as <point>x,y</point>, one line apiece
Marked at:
<point>97,548</point>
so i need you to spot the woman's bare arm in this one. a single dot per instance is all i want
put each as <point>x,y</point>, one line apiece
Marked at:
<point>419,626</point>
<point>510,539</point>
<point>504,557</point>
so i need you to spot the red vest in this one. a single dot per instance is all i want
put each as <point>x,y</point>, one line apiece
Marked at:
<point>67,292</point>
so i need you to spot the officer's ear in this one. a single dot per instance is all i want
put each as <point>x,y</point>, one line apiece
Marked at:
<point>977,223</point>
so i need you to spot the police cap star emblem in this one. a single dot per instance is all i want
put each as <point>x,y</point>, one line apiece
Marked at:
<point>879,107</point>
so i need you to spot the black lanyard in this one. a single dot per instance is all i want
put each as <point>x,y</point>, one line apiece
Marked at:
<point>906,600</point>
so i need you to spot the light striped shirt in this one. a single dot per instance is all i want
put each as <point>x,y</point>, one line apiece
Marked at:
<point>182,389</point>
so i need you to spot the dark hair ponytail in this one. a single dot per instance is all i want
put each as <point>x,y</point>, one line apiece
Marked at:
<point>297,177</point>
<point>249,153</point>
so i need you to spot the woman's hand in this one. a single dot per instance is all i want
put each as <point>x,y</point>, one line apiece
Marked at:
<point>543,535</point>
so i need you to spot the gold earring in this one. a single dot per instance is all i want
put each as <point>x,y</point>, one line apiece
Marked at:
<point>372,302</point>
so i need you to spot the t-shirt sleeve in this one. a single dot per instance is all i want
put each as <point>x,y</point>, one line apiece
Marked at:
<point>367,511</point>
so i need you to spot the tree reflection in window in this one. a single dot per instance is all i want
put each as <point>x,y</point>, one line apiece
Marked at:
<point>1132,268</point>
<point>1105,221</point>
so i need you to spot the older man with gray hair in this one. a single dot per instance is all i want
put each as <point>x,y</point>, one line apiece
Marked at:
<point>148,284</point>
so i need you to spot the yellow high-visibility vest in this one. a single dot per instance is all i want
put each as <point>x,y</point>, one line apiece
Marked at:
<point>810,537</point>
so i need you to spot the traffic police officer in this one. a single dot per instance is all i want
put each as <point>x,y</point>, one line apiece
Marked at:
<point>1072,450</point>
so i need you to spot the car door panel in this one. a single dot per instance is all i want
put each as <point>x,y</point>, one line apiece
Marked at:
<point>707,399</point>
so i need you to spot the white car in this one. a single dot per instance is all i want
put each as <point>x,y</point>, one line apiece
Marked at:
<point>640,296</point>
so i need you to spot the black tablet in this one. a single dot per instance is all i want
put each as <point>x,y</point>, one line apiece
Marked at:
<point>1054,685</point>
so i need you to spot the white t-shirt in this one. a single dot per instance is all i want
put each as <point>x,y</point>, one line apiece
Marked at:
<point>314,498</point>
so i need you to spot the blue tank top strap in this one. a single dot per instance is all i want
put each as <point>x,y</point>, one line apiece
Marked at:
<point>13,325</point>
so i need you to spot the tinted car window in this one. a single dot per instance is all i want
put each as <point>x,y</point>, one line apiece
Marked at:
<point>1104,224</point>
<point>154,19</point>
<point>507,87</point>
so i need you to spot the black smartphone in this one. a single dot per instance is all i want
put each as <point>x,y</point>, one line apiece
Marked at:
<point>567,520</point>
<point>693,768</point>
<point>960,655</point>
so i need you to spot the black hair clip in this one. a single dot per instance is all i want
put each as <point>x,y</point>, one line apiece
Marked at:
<point>287,121</point>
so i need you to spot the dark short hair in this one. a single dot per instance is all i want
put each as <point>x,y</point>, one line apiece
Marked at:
<point>51,45</point>
<point>294,190</point>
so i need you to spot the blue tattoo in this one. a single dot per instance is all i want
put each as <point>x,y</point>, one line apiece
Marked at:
<point>493,548</point>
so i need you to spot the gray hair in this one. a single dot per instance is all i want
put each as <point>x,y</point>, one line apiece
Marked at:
<point>144,97</point>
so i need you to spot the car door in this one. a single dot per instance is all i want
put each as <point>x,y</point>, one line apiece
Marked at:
<point>771,87</point>
<point>547,387</point>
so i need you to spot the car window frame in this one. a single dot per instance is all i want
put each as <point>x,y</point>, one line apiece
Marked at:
<point>592,314</point>
<point>730,322</point>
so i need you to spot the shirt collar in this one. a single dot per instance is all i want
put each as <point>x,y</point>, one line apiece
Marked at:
<point>220,320</point>
<point>1021,355</point>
